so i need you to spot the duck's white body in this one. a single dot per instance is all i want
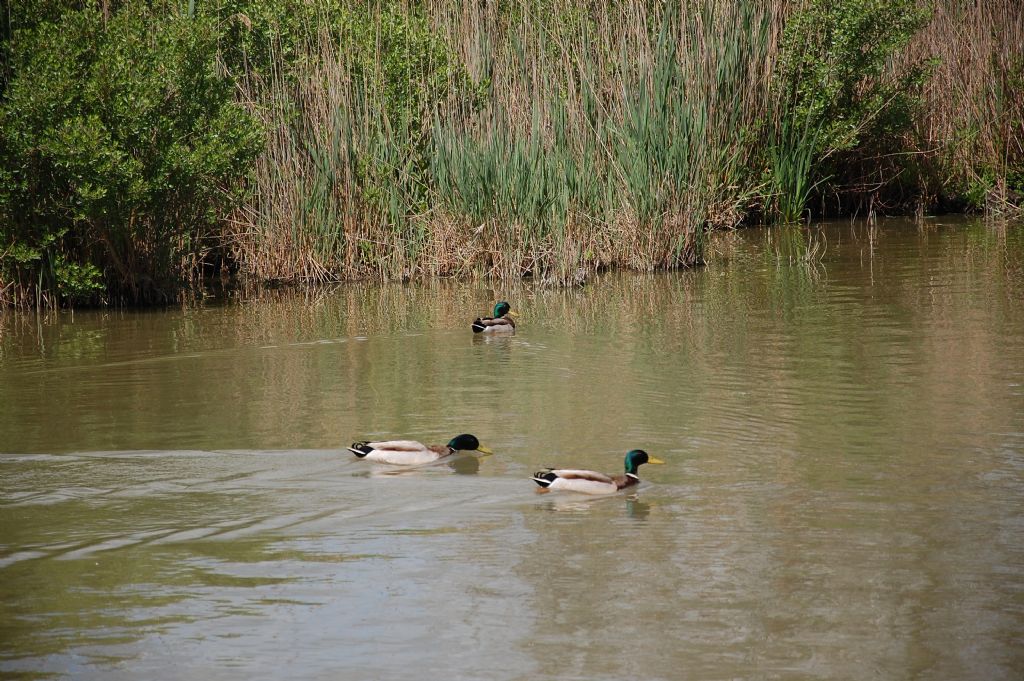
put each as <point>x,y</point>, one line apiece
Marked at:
<point>401,452</point>
<point>586,482</point>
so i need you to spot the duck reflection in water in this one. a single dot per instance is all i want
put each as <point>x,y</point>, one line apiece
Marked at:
<point>460,465</point>
<point>504,341</point>
<point>465,465</point>
<point>635,508</point>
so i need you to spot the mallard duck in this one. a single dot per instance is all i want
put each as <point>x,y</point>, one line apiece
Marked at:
<point>412,453</point>
<point>501,322</point>
<point>592,482</point>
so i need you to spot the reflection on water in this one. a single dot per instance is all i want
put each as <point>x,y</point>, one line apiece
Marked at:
<point>842,410</point>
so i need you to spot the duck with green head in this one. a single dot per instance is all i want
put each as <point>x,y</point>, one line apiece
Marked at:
<point>501,322</point>
<point>412,453</point>
<point>592,482</point>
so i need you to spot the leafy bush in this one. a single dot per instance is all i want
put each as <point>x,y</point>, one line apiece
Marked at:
<point>833,68</point>
<point>836,88</point>
<point>121,149</point>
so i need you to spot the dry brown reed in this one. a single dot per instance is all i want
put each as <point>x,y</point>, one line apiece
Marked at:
<point>608,135</point>
<point>971,126</point>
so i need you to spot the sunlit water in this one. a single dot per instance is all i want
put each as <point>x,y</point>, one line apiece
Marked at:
<point>841,410</point>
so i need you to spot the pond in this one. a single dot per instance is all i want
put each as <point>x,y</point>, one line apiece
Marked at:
<point>840,409</point>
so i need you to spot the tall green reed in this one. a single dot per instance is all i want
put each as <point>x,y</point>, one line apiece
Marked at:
<point>540,138</point>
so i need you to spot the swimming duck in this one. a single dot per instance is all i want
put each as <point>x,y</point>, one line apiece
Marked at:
<point>411,453</point>
<point>501,322</point>
<point>592,482</point>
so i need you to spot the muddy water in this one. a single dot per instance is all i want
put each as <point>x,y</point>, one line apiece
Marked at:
<point>841,410</point>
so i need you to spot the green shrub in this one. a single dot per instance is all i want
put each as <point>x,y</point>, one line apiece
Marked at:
<point>837,91</point>
<point>835,54</point>
<point>121,149</point>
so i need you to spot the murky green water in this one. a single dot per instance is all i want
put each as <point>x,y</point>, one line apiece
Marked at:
<point>844,494</point>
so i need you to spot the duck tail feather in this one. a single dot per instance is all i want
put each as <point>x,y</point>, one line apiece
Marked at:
<point>544,478</point>
<point>360,449</point>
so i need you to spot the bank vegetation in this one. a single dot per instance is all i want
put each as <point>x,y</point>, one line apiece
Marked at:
<point>151,149</point>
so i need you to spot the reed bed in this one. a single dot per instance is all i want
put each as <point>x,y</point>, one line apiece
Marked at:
<point>563,142</point>
<point>970,130</point>
<point>546,139</point>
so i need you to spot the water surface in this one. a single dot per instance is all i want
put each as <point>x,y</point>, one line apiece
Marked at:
<point>841,410</point>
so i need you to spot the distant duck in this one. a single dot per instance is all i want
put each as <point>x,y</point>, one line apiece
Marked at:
<point>592,482</point>
<point>412,453</point>
<point>501,322</point>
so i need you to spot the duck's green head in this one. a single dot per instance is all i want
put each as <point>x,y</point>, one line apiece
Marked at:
<point>469,443</point>
<point>502,308</point>
<point>636,457</point>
